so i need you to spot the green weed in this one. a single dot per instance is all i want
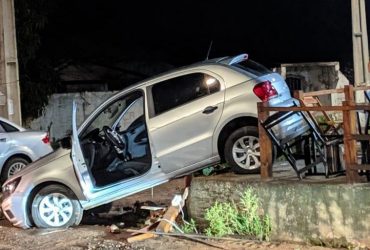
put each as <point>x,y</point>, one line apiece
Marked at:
<point>226,218</point>
<point>189,227</point>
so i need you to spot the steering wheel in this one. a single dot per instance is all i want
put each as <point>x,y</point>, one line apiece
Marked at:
<point>113,138</point>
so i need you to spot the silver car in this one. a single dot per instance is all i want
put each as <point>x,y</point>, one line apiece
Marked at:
<point>161,128</point>
<point>19,147</point>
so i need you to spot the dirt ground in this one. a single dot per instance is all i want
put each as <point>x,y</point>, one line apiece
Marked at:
<point>94,233</point>
<point>99,237</point>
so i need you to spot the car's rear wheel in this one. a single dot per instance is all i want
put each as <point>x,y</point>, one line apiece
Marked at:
<point>55,206</point>
<point>242,150</point>
<point>13,166</point>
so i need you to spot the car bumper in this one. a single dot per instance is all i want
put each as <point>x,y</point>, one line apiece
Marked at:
<point>14,210</point>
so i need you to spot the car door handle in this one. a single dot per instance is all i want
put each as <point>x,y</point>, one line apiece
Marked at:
<point>209,109</point>
<point>2,139</point>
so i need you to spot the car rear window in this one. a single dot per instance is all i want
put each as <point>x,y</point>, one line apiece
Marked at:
<point>253,67</point>
<point>7,127</point>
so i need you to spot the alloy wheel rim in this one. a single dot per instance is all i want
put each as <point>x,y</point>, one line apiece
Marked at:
<point>15,168</point>
<point>56,209</point>
<point>246,152</point>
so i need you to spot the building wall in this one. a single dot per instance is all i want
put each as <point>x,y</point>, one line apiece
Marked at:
<point>316,76</point>
<point>58,113</point>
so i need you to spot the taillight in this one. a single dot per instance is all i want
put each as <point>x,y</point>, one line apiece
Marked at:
<point>46,139</point>
<point>265,91</point>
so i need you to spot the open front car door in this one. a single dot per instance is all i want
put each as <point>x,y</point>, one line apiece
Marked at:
<point>78,159</point>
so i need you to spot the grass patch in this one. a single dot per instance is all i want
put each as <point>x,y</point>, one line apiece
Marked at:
<point>189,227</point>
<point>244,218</point>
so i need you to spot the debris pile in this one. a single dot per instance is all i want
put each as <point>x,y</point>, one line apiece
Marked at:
<point>151,218</point>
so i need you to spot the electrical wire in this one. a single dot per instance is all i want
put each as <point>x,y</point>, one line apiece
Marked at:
<point>186,222</point>
<point>173,224</point>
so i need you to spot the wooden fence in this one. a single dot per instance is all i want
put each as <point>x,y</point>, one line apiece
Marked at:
<point>350,133</point>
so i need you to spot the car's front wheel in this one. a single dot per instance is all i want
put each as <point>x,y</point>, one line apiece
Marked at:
<point>242,150</point>
<point>55,206</point>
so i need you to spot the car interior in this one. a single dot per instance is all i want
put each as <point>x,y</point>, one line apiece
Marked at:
<point>118,148</point>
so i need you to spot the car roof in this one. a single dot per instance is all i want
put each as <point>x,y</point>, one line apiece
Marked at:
<point>228,60</point>
<point>12,124</point>
<point>223,61</point>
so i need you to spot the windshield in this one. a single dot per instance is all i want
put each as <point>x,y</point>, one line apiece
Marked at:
<point>111,113</point>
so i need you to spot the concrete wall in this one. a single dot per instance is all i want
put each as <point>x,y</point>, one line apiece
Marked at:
<point>298,211</point>
<point>58,113</point>
<point>315,76</point>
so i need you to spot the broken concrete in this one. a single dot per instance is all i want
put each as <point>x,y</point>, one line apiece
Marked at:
<point>299,211</point>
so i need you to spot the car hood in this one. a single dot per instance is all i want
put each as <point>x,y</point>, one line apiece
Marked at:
<point>41,162</point>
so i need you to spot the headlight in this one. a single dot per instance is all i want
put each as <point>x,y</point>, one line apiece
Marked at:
<point>9,187</point>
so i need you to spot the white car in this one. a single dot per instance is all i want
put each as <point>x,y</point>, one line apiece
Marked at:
<point>19,147</point>
<point>161,128</point>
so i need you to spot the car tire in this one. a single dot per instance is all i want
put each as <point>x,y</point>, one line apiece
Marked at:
<point>56,206</point>
<point>242,150</point>
<point>12,166</point>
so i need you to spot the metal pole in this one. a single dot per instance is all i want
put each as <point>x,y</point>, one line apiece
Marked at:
<point>9,79</point>
<point>360,43</point>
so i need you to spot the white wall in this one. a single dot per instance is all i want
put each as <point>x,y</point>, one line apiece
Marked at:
<point>58,113</point>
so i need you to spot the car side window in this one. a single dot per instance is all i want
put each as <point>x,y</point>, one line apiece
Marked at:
<point>132,114</point>
<point>111,113</point>
<point>180,90</point>
<point>7,127</point>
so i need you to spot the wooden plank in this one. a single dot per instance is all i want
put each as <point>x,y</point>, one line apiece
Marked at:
<point>356,167</point>
<point>140,237</point>
<point>188,179</point>
<point>152,208</point>
<point>317,108</point>
<point>350,154</point>
<point>359,88</point>
<point>333,91</point>
<point>323,92</point>
<point>360,137</point>
<point>298,94</point>
<point>193,237</point>
<point>348,93</point>
<point>265,146</point>
<point>170,215</point>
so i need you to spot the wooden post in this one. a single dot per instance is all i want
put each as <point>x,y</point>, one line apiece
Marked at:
<point>265,145</point>
<point>349,128</point>
<point>348,93</point>
<point>298,94</point>
<point>350,150</point>
<point>188,179</point>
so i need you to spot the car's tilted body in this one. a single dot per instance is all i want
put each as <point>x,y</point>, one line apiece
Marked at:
<point>147,134</point>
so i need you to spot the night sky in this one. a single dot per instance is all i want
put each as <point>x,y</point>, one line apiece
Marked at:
<point>179,32</point>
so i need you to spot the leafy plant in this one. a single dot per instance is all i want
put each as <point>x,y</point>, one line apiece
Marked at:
<point>227,218</point>
<point>222,218</point>
<point>251,219</point>
<point>189,227</point>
